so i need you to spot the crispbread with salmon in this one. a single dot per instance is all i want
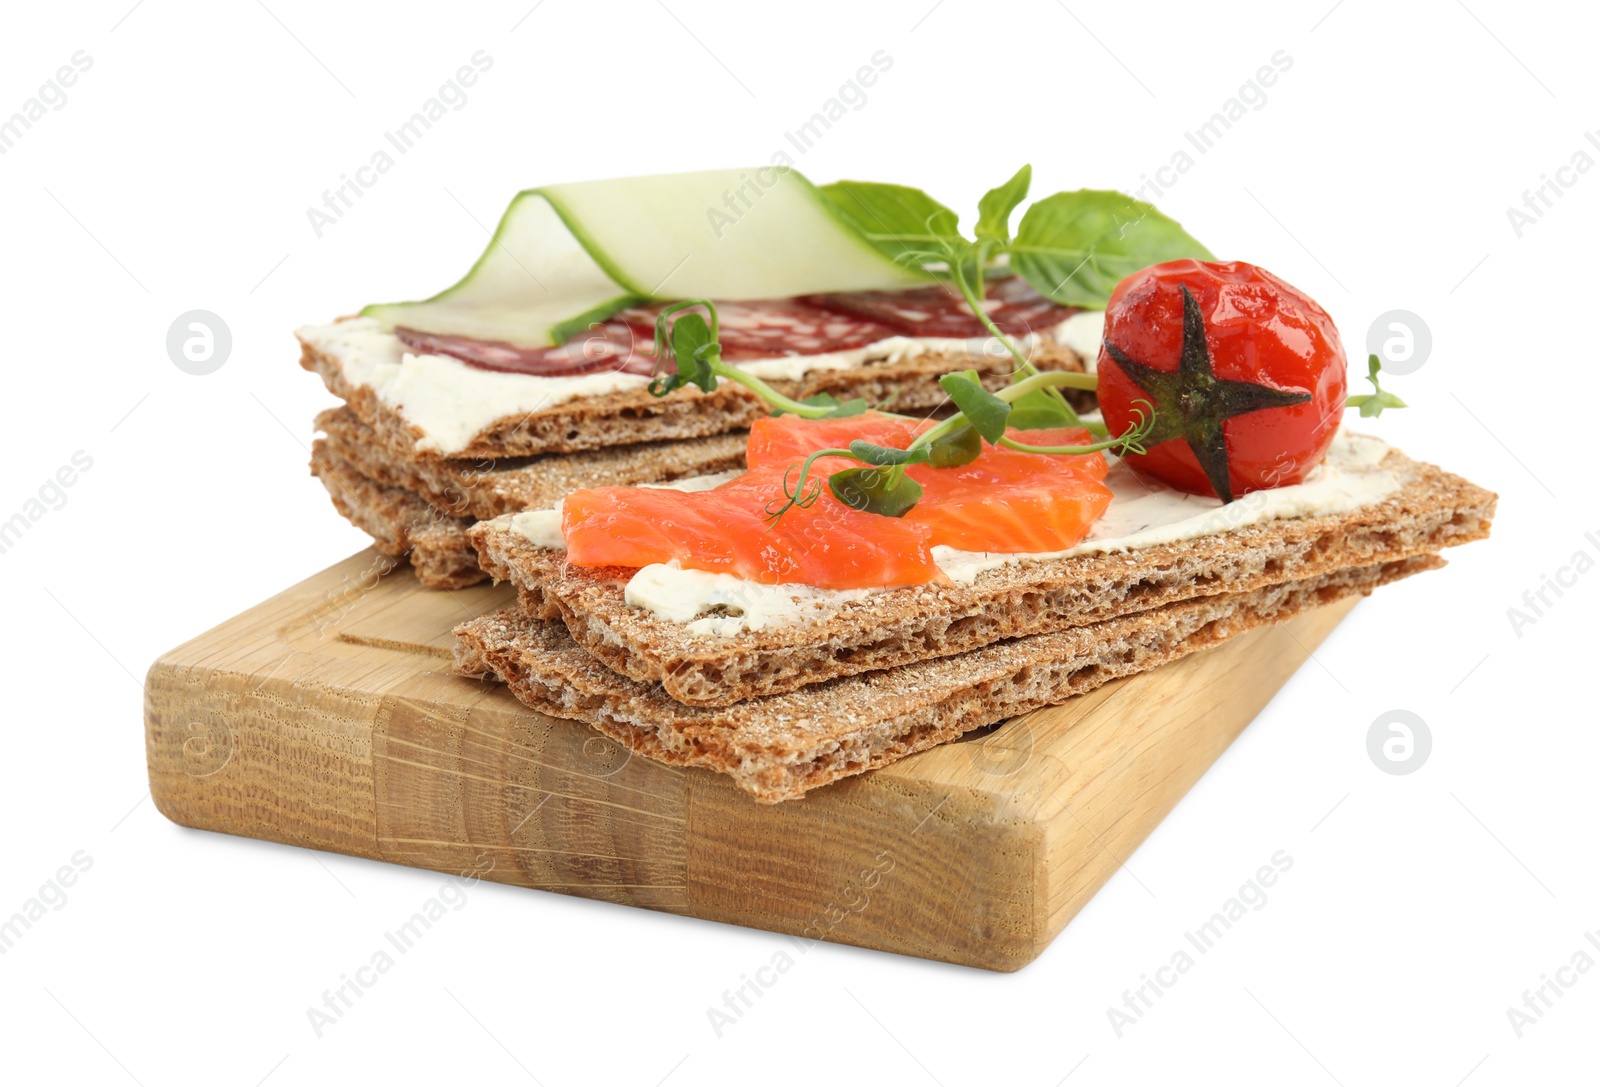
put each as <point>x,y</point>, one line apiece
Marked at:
<point>1430,510</point>
<point>779,747</point>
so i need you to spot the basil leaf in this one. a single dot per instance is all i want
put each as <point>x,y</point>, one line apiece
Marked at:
<point>994,210</point>
<point>884,455</point>
<point>1074,247</point>
<point>896,219</point>
<point>875,490</point>
<point>985,411</point>
<point>961,446</point>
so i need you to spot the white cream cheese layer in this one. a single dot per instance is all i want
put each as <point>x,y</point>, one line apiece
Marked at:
<point>1142,513</point>
<point>450,401</point>
<point>446,399</point>
<point>541,528</point>
<point>718,605</point>
<point>1145,513</point>
<point>1082,333</point>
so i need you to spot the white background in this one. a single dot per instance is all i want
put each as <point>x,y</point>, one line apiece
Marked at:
<point>1376,176</point>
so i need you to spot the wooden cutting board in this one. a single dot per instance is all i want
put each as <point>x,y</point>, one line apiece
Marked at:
<point>328,717</point>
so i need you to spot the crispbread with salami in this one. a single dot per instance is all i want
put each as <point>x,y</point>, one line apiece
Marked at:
<point>893,380</point>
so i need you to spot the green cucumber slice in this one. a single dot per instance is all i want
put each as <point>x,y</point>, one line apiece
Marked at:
<point>533,275</point>
<point>565,255</point>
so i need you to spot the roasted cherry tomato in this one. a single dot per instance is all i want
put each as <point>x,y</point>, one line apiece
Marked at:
<point>1244,373</point>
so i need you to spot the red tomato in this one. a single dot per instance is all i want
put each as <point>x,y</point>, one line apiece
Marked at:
<point>1267,344</point>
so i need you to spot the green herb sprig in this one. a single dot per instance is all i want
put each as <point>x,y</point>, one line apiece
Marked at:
<point>1373,403</point>
<point>1071,247</point>
<point>880,485</point>
<point>691,344</point>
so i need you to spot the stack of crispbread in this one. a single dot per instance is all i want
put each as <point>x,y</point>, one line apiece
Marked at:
<point>423,506</point>
<point>395,481</point>
<point>860,682</point>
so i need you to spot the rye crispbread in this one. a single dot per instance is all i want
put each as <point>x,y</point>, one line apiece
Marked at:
<point>907,385</point>
<point>1431,510</point>
<point>779,747</point>
<point>400,523</point>
<point>481,489</point>
<point>443,557</point>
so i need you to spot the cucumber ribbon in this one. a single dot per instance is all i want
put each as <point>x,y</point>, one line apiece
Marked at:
<point>565,256</point>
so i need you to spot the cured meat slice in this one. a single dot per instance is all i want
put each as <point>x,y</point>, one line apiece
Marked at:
<point>773,328</point>
<point>762,329</point>
<point>624,343</point>
<point>607,347</point>
<point>939,312</point>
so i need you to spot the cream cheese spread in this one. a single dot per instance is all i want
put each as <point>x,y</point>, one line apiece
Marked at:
<point>1146,513</point>
<point>718,605</point>
<point>1082,333</point>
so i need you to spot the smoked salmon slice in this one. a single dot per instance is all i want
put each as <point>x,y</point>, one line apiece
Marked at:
<point>1049,512</point>
<point>726,530</point>
<point>1004,501</point>
<point>787,439</point>
<point>1015,502</point>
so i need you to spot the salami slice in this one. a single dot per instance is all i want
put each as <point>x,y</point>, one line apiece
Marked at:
<point>939,312</point>
<point>607,347</point>
<point>763,329</point>
<point>772,328</point>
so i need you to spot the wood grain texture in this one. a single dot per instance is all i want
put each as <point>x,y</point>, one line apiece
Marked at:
<point>328,717</point>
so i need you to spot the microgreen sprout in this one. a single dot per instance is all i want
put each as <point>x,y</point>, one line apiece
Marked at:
<point>1072,247</point>
<point>1373,403</point>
